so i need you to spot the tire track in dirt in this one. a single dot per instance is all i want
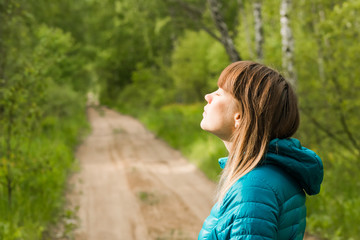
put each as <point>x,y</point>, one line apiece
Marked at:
<point>134,186</point>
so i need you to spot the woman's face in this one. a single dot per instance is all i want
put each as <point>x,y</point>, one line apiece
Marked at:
<point>219,114</point>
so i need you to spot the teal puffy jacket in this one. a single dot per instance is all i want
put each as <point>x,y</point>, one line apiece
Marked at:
<point>269,201</point>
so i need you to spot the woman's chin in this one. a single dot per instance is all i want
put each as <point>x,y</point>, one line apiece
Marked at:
<point>203,125</point>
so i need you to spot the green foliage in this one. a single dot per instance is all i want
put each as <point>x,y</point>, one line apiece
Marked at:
<point>128,38</point>
<point>192,58</point>
<point>197,61</point>
<point>149,88</point>
<point>339,197</point>
<point>330,106</point>
<point>41,115</point>
<point>39,169</point>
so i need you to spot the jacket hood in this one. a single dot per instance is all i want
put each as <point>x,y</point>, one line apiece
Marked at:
<point>304,165</point>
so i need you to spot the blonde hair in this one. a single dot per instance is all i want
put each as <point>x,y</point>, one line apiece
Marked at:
<point>268,108</point>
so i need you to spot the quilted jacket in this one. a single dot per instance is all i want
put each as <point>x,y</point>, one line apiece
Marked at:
<point>269,201</point>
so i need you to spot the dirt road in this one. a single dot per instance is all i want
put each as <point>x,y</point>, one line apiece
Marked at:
<point>134,186</point>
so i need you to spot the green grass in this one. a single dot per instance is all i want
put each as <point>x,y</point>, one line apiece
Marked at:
<point>40,168</point>
<point>148,198</point>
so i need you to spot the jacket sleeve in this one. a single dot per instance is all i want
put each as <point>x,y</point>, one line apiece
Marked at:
<point>256,214</point>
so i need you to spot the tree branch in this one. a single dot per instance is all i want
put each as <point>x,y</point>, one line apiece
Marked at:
<point>223,29</point>
<point>328,132</point>
<point>342,115</point>
<point>195,13</point>
<point>347,131</point>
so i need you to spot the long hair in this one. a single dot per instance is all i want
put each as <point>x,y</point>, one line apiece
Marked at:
<point>269,109</point>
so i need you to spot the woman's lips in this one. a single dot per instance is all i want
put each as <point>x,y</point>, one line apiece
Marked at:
<point>204,113</point>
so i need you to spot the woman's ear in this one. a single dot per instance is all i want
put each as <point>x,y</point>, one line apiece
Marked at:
<point>237,117</point>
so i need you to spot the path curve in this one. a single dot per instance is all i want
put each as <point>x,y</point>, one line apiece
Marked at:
<point>134,186</point>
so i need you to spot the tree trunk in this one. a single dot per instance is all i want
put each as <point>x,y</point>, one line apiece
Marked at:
<point>223,29</point>
<point>195,14</point>
<point>259,34</point>
<point>287,42</point>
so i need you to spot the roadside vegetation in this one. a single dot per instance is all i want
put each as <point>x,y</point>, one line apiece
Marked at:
<point>42,118</point>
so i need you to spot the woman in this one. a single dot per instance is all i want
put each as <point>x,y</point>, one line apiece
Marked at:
<point>261,193</point>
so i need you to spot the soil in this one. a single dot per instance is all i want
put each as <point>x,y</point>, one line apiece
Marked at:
<point>134,186</point>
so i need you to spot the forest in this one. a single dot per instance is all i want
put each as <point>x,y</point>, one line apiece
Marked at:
<point>155,60</point>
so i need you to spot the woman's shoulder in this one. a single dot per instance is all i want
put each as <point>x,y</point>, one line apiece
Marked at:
<point>263,183</point>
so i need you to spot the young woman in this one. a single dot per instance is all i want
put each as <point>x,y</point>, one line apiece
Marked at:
<point>261,193</point>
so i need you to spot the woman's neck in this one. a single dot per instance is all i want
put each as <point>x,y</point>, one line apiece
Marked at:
<point>228,145</point>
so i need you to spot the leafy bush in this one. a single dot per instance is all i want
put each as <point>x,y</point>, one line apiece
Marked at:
<point>41,117</point>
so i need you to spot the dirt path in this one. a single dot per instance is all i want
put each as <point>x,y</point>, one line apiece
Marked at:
<point>134,186</point>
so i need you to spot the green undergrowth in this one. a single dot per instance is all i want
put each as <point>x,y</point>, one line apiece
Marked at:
<point>335,212</point>
<point>39,168</point>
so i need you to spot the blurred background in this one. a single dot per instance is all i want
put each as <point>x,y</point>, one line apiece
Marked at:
<point>155,60</point>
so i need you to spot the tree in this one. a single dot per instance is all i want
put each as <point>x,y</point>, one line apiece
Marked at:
<point>223,29</point>
<point>287,41</point>
<point>259,35</point>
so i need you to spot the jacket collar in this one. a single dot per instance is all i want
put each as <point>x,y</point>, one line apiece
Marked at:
<point>222,162</point>
<point>301,163</point>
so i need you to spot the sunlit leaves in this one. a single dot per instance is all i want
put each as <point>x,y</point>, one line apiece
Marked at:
<point>190,69</point>
<point>40,115</point>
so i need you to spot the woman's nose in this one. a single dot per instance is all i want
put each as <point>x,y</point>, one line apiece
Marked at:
<point>208,97</point>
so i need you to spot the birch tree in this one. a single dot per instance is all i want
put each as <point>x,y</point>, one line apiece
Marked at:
<point>259,35</point>
<point>224,32</point>
<point>287,42</point>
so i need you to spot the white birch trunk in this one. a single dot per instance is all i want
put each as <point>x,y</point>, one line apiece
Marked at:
<point>259,36</point>
<point>223,29</point>
<point>287,42</point>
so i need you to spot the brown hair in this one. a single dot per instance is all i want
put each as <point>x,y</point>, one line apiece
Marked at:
<point>268,108</point>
